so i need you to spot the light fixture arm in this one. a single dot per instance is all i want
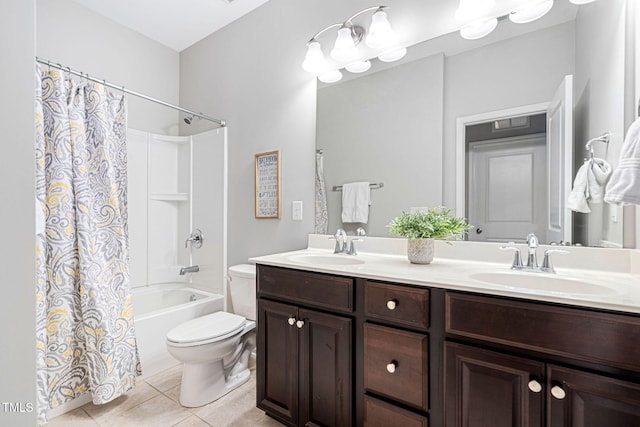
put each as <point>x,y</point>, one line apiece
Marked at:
<point>316,35</point>
<point>347,23</point>
<point>376,8</point>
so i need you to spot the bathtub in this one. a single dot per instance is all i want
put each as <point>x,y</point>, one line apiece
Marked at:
<point>159,308</point>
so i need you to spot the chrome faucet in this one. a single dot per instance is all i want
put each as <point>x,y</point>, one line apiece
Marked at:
<point>341,241</point>
<point>192,269</point>
<point>344,245</point>
<point>532,259</point>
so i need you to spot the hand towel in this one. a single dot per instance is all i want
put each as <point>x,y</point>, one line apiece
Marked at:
<point>597,176</point>
<point>624,186</point>
<point>356,198</point>
<point>577,200</point>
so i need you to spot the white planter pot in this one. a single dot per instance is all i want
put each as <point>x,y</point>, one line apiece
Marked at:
<point>420,251</point>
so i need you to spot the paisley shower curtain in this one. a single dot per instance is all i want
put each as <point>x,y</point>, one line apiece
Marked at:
<point>84,322</point>
<point>322,214</point>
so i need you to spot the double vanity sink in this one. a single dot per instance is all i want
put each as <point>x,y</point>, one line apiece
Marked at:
<point>371,339</point>
<point>617,290</point>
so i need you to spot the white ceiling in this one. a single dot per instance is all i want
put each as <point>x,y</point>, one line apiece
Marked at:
<point>176,24</point>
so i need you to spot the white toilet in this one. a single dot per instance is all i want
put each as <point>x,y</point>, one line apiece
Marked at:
<point>215,348</point>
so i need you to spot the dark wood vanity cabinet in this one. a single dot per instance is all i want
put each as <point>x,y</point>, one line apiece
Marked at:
<point>547,366</point>
<point>305,352</point>
<point>339,351</point>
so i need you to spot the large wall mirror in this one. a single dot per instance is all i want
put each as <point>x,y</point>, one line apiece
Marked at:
<point>407,125</point>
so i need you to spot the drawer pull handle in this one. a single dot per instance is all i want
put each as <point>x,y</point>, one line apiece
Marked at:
<point>300,324</point>
<point>391,367</point>
<point>558,392</point>
<point>392,304</point>
<point>291,320</point>
<point>535,386</point>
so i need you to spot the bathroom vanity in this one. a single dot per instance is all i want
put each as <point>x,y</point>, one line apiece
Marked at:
<point>373,340</point>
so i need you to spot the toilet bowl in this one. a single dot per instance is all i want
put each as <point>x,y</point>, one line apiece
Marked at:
<point>215,348</point>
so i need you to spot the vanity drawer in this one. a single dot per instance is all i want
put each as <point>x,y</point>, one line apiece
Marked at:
<point>314,289</point>
<point>396,303</point>
<point>396,364</point>
<point>603,338</point>
<point>381,414</point>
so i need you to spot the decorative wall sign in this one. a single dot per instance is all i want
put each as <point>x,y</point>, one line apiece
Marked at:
<point>268,186</point>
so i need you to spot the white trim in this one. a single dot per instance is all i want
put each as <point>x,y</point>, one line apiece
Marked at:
<point>462,123</point>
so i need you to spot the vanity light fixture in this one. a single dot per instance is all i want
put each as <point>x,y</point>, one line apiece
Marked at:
<point>479,28</point>
<point>581,1</point>
<point>331,76</point>
<point>530,11</point>
<point>471,10</point>
<point>346,52</point>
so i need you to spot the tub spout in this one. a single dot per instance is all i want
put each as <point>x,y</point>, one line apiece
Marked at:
<point>192,269</point>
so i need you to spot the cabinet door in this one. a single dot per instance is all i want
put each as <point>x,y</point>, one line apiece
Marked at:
<point>489,389</point>
<point>277,361</point>
<point>325,370</point>
<point>581,399</point>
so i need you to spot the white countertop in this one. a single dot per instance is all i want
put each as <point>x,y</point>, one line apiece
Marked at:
<point>617,290</point>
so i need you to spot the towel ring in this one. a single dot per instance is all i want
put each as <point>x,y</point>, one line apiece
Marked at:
<point>604,138</point>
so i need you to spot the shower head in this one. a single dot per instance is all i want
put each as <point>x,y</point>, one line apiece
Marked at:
<point>188,119</point>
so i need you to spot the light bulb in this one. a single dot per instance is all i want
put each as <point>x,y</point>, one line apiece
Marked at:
<point>478,29</point>
<point>470,10</point>
<point>530,11</point>
<point>392,54</point>
<point>380,32</point>
<point>330,76</point>
<point>314,61</point>
<point>359,66</point>
<point>345,48</point>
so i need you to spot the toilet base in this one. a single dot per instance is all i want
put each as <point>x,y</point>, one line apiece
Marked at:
<point>206,383</point>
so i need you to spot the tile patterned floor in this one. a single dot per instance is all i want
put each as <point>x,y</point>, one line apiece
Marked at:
<point>154,403</point>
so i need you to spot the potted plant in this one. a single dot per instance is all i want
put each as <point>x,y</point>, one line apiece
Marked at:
<point>422,228</point>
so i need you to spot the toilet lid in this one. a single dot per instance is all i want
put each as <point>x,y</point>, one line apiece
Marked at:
<point>212,327</point>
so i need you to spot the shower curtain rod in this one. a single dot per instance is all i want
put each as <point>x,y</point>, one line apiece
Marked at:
<point>130,92</point>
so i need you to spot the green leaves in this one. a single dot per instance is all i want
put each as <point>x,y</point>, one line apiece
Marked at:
<point>436,223</point>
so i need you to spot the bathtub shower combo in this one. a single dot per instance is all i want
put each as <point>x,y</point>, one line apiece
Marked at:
<point>178,266</point>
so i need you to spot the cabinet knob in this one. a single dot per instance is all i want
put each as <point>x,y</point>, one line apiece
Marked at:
<point>300,324</point>
<point>392,304</point>
<point>291,320</point>
<point>535,386</point>
<point>558,392</point>
<point>391,367</point>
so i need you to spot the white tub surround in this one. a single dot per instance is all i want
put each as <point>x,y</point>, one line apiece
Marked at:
<point>588,277</point>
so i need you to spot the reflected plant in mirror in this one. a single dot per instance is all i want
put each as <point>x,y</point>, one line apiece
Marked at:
<point>410,125</point>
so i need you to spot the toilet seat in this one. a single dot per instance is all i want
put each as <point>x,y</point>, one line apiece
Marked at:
<point>206,329</point>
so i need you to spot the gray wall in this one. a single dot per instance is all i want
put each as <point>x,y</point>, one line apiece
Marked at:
<point>77,37</point>
<point>17,376</point>
<point>249,74</point>
<point>384,127</point>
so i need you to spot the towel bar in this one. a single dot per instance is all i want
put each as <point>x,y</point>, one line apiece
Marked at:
<point>373,186</point>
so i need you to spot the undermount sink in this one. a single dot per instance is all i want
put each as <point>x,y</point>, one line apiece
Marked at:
<point>319,259</point>
<point>543,282</point>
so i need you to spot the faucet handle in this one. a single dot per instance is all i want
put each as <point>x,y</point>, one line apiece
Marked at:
<point>517,259</point>
<point>546,261</point>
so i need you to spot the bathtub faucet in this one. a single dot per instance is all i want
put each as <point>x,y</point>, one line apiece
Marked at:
<point>192,269</point>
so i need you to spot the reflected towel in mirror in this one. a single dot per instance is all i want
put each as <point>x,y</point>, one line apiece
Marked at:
<point>589,184</point>
<point>624,187</point>
<point>356,198</point>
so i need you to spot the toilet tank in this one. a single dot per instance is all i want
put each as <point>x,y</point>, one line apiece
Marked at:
<point>242,288</point>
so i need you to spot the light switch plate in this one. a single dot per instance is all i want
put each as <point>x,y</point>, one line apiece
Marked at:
<point>296,210</point>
